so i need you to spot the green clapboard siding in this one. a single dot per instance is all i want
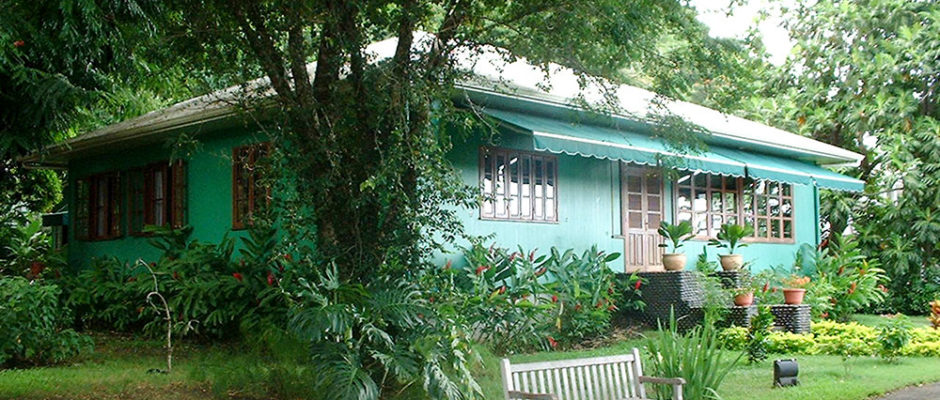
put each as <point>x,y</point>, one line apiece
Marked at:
<point>588,204</point>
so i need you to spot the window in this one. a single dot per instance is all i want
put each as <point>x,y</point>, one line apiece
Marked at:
<point>157,196</point>
<point>709,201</point>
<point>98,211</point>
<point>248,193</point>
<point>518,185</point>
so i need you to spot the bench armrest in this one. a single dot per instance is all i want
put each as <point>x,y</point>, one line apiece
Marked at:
<point>662,381</point>
<point>514,394</point>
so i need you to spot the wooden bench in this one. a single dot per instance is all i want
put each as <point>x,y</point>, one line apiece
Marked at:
<point>599,378</point>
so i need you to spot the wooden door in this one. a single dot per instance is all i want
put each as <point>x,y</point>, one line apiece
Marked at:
<point>641,210</point>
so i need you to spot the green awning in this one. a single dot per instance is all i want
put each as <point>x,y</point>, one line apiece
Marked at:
<point>779,169</point>
<point>613,144</point>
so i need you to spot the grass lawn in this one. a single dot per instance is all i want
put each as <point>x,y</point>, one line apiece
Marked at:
<point>118,370</point>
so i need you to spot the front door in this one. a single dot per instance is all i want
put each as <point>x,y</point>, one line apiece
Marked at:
<point>641,205</point>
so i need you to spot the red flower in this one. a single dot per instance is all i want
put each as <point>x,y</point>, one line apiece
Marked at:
<point>636,286</point>
<point>132,279</point>
<point>599,304</point>
<point>140,309</point>
<point>554,298</point>
<point>774,290</point>
<point>852,288</point>
<point>153,265</point>
<point>577,307</point>
<point>833,300</point>
<point>36,268</point>
<point>611,307</point>
<point>481,269</point>
<point>502,289</point>
<point>431,300</point>
<point>882,288</point>
<point>532,255</point>
<point>861,272</point>
<point>289,257</point>
<point>176,276</point>
<point>19,43</point>
<point>824,315</point>
<point>841,270</point>
<point>513,256</point>
<point>766,287</point>
<point>271,279</point>
<point>237,276</point>
<point>552,342</point>
<point>447,267</point>
<point>541,271</point>
<point>610,290</point>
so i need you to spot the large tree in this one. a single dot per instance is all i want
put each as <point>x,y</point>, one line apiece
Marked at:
<point>865,75</point>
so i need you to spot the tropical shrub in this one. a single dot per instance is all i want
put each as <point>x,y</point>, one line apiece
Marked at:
<point>520,301</point>
<point>855,282</point>
<point>697,356</point>
<point>25,248</point>
<point>35,324</point>
<point>733,338</point>
<point>757,335</point>
<point>208,291</point>
<point>893,336</point>
<point>790,343</point>
<point>934,316</point>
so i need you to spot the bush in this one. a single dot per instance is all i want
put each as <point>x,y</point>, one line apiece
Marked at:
<point>893,336</point>
<point>849,330</point>
<point>517,302</point>
<point>757,335</point>
<point>733,338</point>
<point>697,356</point>
<point>790,343</point>
<point>208,291</point>
<point>853,281</point>
<point>34,324</point>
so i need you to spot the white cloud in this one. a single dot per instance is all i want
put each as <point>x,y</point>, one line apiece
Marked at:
<point>713,13</point>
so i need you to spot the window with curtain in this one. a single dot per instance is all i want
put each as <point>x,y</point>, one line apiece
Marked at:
<point>709,201</point>
<point>98,207</point>
<point>518,185</point>
<point>157,196</point>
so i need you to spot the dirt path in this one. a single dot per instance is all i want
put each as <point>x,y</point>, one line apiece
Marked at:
<point>930,391</point>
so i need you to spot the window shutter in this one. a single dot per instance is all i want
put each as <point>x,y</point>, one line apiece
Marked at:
<point>178,192</point>
<point>135,187</point>
<point>82,206</point>
<point>114,200</point>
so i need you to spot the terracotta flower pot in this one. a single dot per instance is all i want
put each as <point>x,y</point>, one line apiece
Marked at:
<point>793,296</point>
<point>731,262</point>
<point>674,261</point>
<point>744,300</point>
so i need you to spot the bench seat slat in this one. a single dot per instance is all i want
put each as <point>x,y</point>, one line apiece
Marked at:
<point>570,363</point>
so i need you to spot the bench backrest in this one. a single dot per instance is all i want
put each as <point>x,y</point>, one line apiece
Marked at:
<point>598,378</point>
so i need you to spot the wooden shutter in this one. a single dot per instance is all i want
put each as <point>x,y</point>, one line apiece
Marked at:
<point>82,203</point>
<point>178,197</point>
<point>135,201</point>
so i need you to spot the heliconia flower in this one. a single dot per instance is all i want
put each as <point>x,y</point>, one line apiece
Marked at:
<point>611,307</point>
<point>852,288</point>
<point>554,298</point>
<point>513,255</point>
<point>532,255</point>
<point>176,276</point>
<point>502,289</point>
<point>861,272</point>
<point>481,269</point>
<point>766,287</point>
<point>19,43</point>
<point>599,304</point>
<point>132,279</point>
<point>833,300</point>
<point>36,268</point>
<point>288,257</point>
<point>577,307</point>
<point>431,300</point>
<point>541,271</point>
<point>824,315</point>
<point>883,288</point>
<point>153,265</point>
<point>447,266</point>
<point>140,309</point>
<point>238,276</point>
<point>841,270</point>
<point>636,286</point>
<point>610,290</point>
<point>552,342</point>
<point>270,279</point>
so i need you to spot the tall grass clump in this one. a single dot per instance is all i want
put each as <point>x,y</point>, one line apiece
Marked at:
<point>695,355</point>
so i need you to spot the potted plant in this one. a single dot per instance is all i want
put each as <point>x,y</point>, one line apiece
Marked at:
<point>744,293</point>
<point>794,288</point>
<point>677,235</point>
<point>729,237</point>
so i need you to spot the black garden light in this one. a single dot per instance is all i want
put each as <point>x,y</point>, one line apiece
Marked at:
<point>785,372</point>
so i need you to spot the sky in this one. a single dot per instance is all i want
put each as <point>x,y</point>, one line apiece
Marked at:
<point>713,14</point>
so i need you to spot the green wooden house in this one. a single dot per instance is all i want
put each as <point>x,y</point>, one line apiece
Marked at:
<point>558,174</point>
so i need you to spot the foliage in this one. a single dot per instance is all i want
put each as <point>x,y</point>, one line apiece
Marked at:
<point>854,280</point>
<point>676,234</point>
<point>935,314</point>
<point>733,338</point>
<point>403,340</point>
<point>25,248</point>
<point>696,356</point>
<point>893,336</point>
<point>730,235</point>
<point>520,301</point>
<point>872,89</point>
<point>703,264</point>
<point>35,324</point>
<point>761,323</point>
<point>790,343</point>
<point>208,290</point>
<point>715,298</point>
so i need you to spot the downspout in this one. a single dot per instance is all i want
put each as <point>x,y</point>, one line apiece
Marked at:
<point>816,211</point>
